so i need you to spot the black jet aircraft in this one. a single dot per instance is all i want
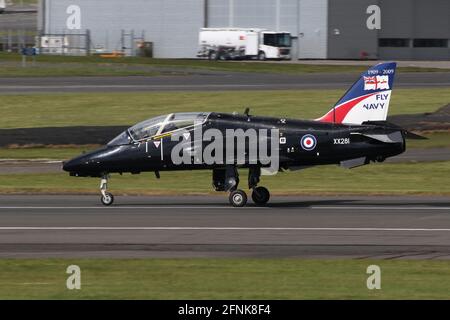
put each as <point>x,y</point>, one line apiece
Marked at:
<point>353,133</point>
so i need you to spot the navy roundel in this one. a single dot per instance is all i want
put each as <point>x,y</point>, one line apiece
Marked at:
<point>308,142</point>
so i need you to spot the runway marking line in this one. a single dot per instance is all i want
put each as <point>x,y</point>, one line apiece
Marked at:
<point>223,229</point>
<point>137,207</point>
<point>377,208</point>
<point>156,86</point>
<point>133,207</point>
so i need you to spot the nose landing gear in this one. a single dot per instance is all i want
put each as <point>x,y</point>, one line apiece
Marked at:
<point>107,198</point>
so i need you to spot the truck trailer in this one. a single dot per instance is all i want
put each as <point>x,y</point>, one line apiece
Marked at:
<point>244,43</point>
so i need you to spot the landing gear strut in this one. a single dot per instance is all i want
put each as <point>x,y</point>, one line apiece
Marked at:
<point>107,198</point>
<point>260,195</point>
<point>238,198</point>
<point>227,179</point>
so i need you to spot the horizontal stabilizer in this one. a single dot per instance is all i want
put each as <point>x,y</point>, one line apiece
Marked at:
<point>413,136</point>
<point>388,125</point>
<point>394,137</point>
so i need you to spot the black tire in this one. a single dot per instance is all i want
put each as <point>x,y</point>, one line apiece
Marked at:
<point>261,56</point>
<point>108,200</point>
<point>260,195</point>
<point>238,198</point>
<point>213,55</point>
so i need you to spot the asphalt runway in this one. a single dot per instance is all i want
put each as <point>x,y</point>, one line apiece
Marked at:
<point>208,81</point>
<point>206,226</point>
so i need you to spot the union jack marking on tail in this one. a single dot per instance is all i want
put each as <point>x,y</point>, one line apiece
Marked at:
<point>376,83</point>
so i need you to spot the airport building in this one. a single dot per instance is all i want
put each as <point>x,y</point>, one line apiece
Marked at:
<point>320,29</point>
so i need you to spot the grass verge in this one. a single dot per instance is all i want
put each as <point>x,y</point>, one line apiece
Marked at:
<point>43,110</point>
<point>223,279</point>
<point>435,140</point>
<point>429,178</point>
<point>95,63</point>
<point>73,70</point>
<point>53,153</point>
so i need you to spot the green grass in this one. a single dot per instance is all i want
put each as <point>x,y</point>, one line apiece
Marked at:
<point>55,153</point>
<point>42,110</point>
<point>435,140</point>
<point>386,178</point>
<point>72,69</point>
<point>223,279</point>
<point>18,2</point>
<point>62,64</point>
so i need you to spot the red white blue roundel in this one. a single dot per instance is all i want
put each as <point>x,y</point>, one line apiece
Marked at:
<point>308,142</point>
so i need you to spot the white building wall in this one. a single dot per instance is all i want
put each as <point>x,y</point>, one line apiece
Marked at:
<point>278,15</point>
<point>321,29</point>
<point>313,25</point>
<point>170,24</point>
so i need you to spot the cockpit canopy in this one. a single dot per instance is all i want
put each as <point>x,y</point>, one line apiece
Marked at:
<point>160,125</point>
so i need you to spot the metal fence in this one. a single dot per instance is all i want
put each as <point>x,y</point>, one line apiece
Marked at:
<point>15,40</point>
<point>73,44</point>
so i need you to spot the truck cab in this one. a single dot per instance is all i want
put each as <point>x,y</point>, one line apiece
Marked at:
<point>275,45</point>
<point>2,6</point>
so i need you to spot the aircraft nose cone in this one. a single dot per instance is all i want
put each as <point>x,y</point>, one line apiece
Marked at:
<point>72,165</point>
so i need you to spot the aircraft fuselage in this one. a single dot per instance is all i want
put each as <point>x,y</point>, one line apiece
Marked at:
<point>330,144</point>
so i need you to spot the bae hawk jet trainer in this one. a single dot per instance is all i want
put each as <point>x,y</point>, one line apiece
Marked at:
<point>353,133</point>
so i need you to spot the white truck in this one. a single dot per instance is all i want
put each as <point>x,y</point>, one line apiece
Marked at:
<point>244,43</point>
<point>2,6</point>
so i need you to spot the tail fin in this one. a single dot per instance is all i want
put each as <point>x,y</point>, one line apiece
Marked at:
<point>368,98</point>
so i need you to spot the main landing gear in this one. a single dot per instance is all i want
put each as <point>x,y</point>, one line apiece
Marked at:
<point>107,198</point>
<point>260,195</point>
<point>238,198</point>
<point>228,180</point>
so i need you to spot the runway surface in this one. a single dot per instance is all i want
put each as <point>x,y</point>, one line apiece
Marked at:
<point>206,226</point>
<point>208,81</point>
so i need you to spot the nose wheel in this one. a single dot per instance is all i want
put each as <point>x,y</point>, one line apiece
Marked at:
<point>238,198</point>
<point>107,198</point>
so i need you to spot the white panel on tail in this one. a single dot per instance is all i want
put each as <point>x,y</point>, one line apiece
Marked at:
<point>373,108</point>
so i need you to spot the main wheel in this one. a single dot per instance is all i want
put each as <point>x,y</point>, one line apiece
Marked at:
<point>213,55</point>
<point>238,198</point>
<point>108,199</point>
<point>223,56</point>
<point>262,56</point>
<point>260,195</point>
